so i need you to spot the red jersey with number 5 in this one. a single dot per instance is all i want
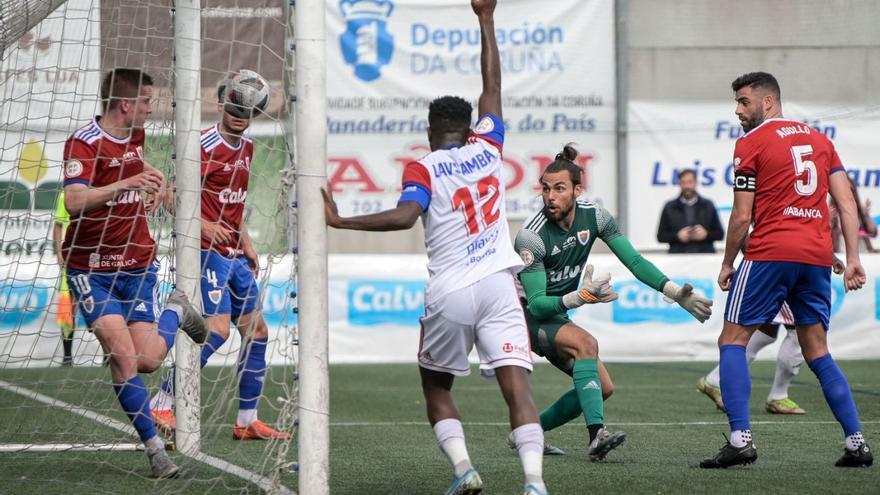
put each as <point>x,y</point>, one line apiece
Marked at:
<point>461,192</point>
<point>788,165</point>
<point>225,174</point>
<point>115,235</point>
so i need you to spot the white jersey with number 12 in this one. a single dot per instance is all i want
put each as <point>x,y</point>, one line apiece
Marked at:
<point>461,190</point>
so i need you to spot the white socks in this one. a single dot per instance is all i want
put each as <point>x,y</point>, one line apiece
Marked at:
<point>740,438</point>
<point>758,341</point>
<point>450,438</point>
<point>246,416</point>
<point>162,401</point>
<point>529,440</point>
<point>788,363</point>
<point>854,441</point>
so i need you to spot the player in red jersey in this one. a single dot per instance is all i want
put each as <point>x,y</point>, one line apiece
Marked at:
<point>784,171</point>
<point>110,255</point>
<point>229,265</point>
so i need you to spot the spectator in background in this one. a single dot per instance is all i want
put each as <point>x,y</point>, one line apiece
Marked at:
<point>689,223</point>
<point>867,227</point>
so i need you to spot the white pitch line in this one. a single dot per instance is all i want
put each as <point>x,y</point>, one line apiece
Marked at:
<point>344,424</point>
<point>263,482</point>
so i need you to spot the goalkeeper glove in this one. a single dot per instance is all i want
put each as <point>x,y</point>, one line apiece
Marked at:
<point>591,291</point>
<point>699,307</point>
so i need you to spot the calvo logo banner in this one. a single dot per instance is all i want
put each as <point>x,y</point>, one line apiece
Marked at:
<point>375,302</point>
<point>638,303</point>
<point>366,43</point>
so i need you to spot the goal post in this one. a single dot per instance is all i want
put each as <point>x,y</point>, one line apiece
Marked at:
<point>311,146</point>
<point>188,219</point>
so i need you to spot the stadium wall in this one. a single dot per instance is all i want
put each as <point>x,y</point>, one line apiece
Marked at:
<point>375,303</point>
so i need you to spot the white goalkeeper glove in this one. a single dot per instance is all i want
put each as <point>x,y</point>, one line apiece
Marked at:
<point>699,307</point>
<point>591,291</point>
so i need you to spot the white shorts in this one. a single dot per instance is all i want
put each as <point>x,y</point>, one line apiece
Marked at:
<point>488,314</point>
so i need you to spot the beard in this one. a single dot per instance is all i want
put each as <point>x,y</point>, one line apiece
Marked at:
<point>752,121</point>
<point>558,213</point>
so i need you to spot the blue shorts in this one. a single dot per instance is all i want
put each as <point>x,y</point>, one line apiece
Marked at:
<point>760,287</point>
<point>130,294</point>
<point>228,285</point>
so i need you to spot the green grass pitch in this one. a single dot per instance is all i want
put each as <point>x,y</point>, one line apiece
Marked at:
<point>381,443</point>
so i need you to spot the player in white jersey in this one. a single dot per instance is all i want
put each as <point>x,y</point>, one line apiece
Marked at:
<point>471,298</point>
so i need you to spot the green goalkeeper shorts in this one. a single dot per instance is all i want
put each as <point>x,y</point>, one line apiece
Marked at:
<point>543,336</point>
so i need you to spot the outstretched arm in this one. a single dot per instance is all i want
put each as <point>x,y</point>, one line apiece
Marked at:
<point>490,64</point>
<point>402,217</point>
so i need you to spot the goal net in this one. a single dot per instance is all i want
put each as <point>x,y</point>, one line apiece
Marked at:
<point>56,396</point>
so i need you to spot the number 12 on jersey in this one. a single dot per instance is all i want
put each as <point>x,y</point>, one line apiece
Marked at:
<point>487,192</point>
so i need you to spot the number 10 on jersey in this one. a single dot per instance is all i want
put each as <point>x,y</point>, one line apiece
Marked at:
<point>486,198</point>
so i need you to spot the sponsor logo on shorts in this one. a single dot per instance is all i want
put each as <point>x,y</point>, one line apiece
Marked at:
<point>88,304</point>
<point>426,357</point>
<point>73,168</point>
<point>507,347</point>
<point>141,307</point>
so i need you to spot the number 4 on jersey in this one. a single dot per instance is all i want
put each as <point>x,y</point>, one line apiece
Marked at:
<point>486,197</point>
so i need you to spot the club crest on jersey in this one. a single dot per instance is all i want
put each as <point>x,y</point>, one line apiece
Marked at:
<point>73,168</point>
<point>366,43</point>
<point>215,295</point>
<point>140,152</point>
<point>94,260</point>
<point>583,237</point>
<point>88,304</point>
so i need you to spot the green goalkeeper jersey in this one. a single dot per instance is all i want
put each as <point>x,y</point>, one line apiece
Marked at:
<point>554,257</point>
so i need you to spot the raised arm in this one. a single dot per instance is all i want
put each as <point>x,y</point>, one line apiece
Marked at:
<point>490,65</point>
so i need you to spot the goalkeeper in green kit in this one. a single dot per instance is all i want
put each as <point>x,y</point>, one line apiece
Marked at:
<point>554,245</point>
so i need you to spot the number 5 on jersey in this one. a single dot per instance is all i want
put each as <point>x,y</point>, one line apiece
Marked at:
<point>487,192</point>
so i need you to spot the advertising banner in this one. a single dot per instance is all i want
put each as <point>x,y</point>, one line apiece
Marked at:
<point>667,137</point>
<point>375,303</point>
<point>387,59</point>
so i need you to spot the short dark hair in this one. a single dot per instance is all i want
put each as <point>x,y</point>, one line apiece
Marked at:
<point>122,83</point>
<point>757,80</point>
<point>450,114</point>
<point>686,172</point>
<point>565,161</point>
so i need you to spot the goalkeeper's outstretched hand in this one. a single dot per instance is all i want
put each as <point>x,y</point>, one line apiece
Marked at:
<point>699,307</point>
<point>591,291</point>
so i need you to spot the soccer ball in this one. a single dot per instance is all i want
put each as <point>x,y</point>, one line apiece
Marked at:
<point>244,92</point>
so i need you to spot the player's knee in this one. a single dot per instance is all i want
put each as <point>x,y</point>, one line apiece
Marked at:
<point>586,347</point>
<point>261,330</point>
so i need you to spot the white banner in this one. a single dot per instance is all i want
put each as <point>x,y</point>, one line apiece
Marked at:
<point>667,137</point>
<point>387,59</point>
<point>375,303</point>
